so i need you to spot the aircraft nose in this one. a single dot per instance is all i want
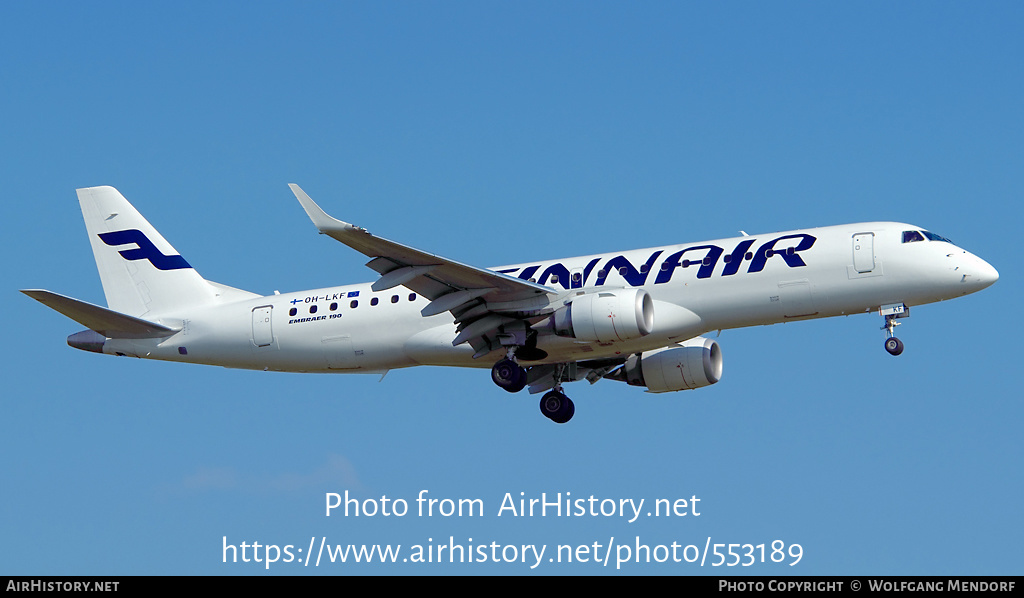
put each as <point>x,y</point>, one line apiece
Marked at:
<point>976,273</point>
<point>985,275</point>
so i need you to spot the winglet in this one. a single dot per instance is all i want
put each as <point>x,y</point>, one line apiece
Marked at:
<point>323,222</point>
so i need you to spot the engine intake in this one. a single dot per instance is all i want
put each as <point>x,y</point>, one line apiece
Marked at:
<point>689,365</point>
<point>606,317</point>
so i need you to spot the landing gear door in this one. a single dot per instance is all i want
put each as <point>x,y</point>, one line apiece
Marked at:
<point>864,252</point>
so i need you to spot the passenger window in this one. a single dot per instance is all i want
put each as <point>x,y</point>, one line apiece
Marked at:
<point>910,236</point>
<point>394,298</point>
<point>374,301</point>
<point>312,309</point>
<point>412,296</point>
<point>292,311</point>
<point>354,304</point>
<point>334,307</point>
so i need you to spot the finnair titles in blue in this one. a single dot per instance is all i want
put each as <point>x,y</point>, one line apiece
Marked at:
<point>705,257</point>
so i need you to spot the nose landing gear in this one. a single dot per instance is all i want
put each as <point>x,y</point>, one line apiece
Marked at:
<point>892,312</point>
<point>893,345</point>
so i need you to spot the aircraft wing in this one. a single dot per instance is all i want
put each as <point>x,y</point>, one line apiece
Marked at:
<point>464,290</point>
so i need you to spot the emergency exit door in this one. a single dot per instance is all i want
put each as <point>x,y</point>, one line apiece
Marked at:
<point>262,333</point>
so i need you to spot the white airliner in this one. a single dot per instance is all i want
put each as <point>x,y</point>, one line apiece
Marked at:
<point>633,316</point>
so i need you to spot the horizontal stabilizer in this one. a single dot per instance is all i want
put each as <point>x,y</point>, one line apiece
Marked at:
<point>109,323</point>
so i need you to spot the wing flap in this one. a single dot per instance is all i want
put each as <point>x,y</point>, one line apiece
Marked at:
<point>452,301</point>
<point>400,276</point>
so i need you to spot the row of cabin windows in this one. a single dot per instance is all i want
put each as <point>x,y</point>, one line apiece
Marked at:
<point>576,276</point>
<point>352,304</point>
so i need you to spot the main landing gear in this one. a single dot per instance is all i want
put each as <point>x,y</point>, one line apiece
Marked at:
<point>557,407</point>
<point>554,404</point>
<point>509,375</point>
<point>892,312</point>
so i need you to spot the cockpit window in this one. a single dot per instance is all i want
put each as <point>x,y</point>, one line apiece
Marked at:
<point>934,237</point>
<point>910,236</point>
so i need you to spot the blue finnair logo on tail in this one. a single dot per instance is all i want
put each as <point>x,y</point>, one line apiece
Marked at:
<point>145,250</point>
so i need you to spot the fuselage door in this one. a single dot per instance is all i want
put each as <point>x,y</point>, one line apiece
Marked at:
<point>262,333</point>
<point>864,252</point>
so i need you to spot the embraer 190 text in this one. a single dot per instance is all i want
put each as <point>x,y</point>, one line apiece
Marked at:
<point>633,316</point>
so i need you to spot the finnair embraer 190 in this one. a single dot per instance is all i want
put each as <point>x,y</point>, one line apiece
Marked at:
<point>633,316</point>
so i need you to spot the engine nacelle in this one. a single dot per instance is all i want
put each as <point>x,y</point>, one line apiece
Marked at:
<point>605,317</point>
<point>693,364</point>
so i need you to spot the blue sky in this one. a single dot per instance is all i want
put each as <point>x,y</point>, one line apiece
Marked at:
<point>495,134</point>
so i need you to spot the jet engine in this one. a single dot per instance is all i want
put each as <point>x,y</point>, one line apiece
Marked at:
<point>693,364</point>
<point>605,317</point>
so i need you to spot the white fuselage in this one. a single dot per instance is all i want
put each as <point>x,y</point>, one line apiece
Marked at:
<point>696,288</point>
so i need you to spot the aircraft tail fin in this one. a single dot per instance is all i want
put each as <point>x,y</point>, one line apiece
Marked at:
<point>141,272</point>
